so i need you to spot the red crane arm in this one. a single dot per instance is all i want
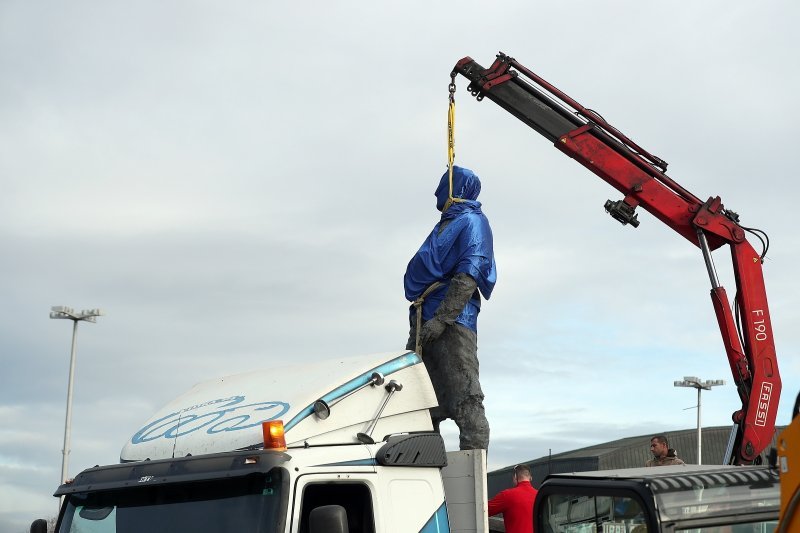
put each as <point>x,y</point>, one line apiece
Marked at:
<point>641,177</point>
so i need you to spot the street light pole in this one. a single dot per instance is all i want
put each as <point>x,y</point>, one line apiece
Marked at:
<point>700,385</point>
<point>87,315</point>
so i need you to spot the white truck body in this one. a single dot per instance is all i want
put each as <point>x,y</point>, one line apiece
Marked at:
<point>207,446</point>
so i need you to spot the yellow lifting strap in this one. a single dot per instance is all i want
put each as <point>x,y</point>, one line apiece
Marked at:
<point>451,140</point>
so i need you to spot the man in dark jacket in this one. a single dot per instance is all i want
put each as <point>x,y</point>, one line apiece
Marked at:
<point>516,503</point>
<point>444,281</point>
<point>663,455</point>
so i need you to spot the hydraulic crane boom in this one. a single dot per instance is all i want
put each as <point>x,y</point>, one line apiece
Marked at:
<point>641,177</point>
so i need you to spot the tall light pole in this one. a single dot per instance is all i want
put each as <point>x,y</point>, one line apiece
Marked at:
<point>87,315</point>
<point>700,385</point>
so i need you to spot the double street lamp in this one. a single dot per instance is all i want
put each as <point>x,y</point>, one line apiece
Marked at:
<point>700,385</point>
<point>67,313</point>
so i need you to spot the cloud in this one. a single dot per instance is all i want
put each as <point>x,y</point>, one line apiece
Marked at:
<point>21,507</point>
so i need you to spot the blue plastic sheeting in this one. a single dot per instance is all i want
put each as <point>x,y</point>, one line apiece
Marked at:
<point>464,245</point>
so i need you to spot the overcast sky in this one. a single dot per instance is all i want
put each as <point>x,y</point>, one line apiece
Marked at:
<point>242,184</point>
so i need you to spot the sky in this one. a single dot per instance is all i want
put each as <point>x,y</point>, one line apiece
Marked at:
<point>240,185</point>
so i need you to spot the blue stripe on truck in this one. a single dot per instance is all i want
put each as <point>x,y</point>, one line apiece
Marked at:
<point>438,522</point>
<point>355,462</point>
<point>390,367</point>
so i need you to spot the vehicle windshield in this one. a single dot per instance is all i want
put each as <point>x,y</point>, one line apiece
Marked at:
<point>745,507</point>
<point>572,513</point>
<point>251,503</point>
<point>760,526</point>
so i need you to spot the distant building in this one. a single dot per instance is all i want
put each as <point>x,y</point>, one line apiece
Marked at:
<point>629,452</point>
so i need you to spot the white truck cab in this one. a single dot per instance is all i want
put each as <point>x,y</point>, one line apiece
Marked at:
<point>344,445</point>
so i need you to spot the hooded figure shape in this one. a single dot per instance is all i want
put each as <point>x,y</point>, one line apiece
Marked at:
<point>460,242</point>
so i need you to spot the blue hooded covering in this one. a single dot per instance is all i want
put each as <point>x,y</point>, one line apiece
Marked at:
<point>464,245</point>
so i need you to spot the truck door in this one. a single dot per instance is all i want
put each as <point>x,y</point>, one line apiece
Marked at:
<point>412,501</point>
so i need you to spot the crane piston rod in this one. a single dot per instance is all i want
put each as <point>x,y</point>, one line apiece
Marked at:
<point>584,135</point>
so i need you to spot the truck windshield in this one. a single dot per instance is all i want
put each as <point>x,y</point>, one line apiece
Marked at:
<point>253,503</point>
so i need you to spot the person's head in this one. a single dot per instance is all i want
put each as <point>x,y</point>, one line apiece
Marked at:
<point>659,446</point>
<point>521,473</point>
<point>466,185</point>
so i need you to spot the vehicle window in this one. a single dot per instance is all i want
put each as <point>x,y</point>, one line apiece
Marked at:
<point>354,497</point>
<point>767,526</point>
<point>92,520</point>
<point>566,513</point>
<point>725,500</point>
<point>250,503</point>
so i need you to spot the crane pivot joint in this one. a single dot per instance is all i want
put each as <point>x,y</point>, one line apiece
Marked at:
<point>624,213</point>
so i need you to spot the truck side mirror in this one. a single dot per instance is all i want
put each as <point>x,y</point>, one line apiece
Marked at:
<point>39,526</point>
<point>328,519</point>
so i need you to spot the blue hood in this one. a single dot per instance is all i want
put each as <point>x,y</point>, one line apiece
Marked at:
<point>466,185</point>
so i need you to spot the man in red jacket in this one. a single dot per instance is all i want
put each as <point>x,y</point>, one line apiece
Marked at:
<point>516,504</point>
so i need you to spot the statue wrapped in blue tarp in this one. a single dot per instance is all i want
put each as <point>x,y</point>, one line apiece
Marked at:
<point>444,281</point>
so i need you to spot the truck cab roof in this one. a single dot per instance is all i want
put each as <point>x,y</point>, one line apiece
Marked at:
<point>226,414</point>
